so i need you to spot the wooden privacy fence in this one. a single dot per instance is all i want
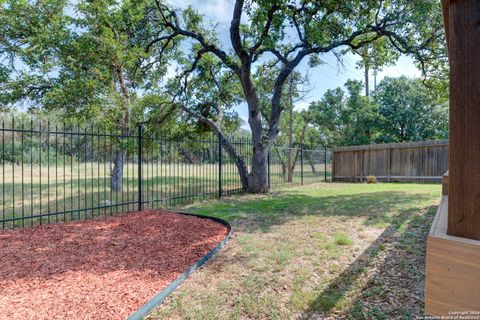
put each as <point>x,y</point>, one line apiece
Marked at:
<point>424,161</point>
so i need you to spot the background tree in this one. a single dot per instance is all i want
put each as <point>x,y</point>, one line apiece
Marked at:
<point>287,147</point>
<point>94,63</point>
<point>410,112</point>
<point>400,110</point>
<point>297,122</point>
<point>346,118</point>
<point>289,32</point>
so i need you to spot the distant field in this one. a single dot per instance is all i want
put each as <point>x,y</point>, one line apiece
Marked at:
<point>83,190</point>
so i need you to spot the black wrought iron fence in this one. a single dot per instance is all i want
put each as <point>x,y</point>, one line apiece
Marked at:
<point>52,172</point>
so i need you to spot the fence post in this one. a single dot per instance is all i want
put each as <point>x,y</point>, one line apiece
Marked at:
<point>268,167</point>
<point>301,162</point>
<point>219,165</point>
<point>139,161</point>
<point>334,160</point>
<point>389,164</point>
<point>325,168</point>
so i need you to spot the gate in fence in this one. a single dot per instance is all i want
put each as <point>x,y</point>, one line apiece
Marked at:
<point>52,172</point>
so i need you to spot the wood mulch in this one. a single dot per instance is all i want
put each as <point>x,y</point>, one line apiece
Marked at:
<point>105,268</point>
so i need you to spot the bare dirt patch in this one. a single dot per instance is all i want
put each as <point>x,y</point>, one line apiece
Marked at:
<point>104,268</point>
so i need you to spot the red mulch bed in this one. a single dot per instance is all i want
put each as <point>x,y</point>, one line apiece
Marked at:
<point>104,268</point>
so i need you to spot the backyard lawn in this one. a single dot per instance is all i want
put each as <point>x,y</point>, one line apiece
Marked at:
<point>334,251</point>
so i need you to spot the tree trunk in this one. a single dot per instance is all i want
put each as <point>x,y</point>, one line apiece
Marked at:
<point>209,155</point>
<point>282,163</point>
<point>290,131</point>
<point>312,165</point>
<point>291,166</point>
<point>258,177</point>
<point>185,155</point>
<point>117,172</point>
<point>367,81</point>
<point>242,172</point>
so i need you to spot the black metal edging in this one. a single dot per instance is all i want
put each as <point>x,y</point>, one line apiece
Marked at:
<point>165,292</point>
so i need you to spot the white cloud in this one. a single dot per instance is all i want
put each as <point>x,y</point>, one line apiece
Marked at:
<point>404,66</point>
<point>171,70</point>
<point>216,10</point>
<point>301,105</point>
<point>219,11</point>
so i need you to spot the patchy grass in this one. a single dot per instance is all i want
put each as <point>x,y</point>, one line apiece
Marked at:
<point>333,251</point>
<point>342,239</point>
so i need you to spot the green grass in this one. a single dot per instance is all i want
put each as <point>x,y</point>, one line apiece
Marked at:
<point>338,250</point>
<point>342,239</point>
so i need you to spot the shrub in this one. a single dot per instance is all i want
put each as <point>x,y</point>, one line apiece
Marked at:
<point>371,179</point>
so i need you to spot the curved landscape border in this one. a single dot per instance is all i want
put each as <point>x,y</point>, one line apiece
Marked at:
<point>165,292</point>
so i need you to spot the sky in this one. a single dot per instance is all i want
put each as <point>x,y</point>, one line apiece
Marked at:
<point>327,76</point>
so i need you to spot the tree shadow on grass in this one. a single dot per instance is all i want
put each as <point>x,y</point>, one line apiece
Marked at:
<point>394,265</point>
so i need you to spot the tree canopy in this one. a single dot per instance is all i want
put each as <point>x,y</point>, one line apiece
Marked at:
<point>86,58</point>
<point>410,112</point>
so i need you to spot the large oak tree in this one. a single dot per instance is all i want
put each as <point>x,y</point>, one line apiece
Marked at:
<point>288,32</point>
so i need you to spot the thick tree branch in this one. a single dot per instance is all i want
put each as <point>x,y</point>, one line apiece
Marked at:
<point>235,37</point>
<point>300,35</point>
<point>179,31</point>
<point>290,65</point>
<point>227,145</point>
<point>266,29</point>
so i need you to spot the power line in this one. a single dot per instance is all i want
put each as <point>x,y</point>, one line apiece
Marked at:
<point>229,2</point>
<point>352,69</point>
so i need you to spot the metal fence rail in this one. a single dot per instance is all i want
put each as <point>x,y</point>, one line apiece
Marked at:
<point>52,172</point>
